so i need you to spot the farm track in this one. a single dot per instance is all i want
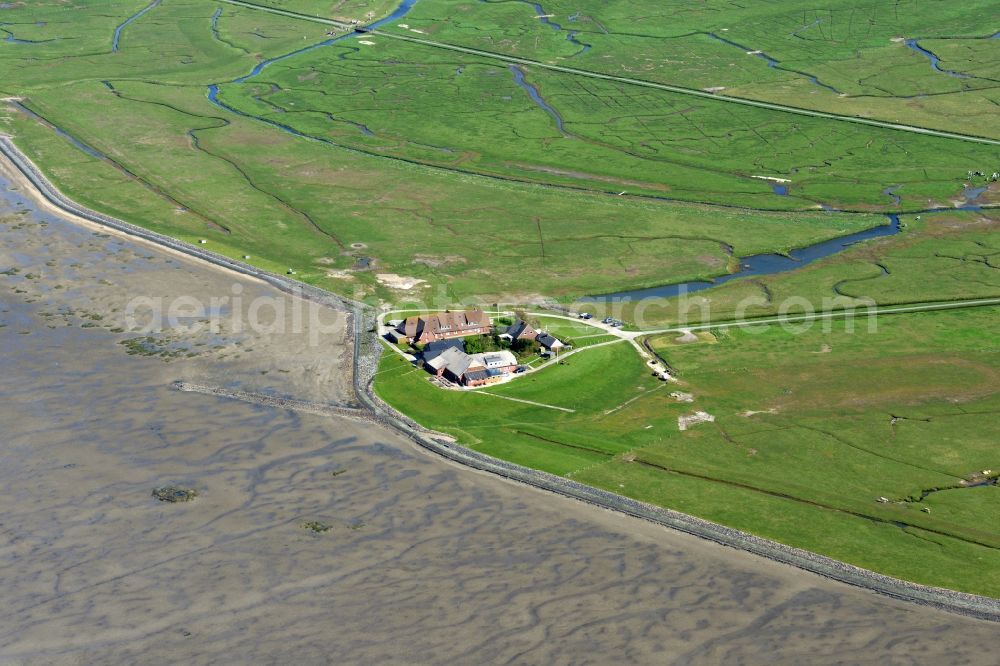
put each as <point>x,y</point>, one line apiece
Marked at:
<point>694,92</point>
<point>367,350</point>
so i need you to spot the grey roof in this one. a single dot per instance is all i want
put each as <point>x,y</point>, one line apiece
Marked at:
<point>477,375</point>
<point>448,358</point>
<point>434,349</point>
<point>429,356</point>
<point>441,345</point>
<point>454,360</point>
<point>547,340</point>
<point>462,364</point>
<point>515,329</point>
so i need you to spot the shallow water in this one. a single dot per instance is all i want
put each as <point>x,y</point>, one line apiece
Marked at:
<point>771,62</point>
<point>934,60</point>
<point>536,96</point>
<point>116,38</point>
<point>760,264</point>
<point>425,562</point>
<point>544,17</point>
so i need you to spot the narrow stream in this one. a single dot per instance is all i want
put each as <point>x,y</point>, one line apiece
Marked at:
<point>404,7</point>
<point>838,288</point>
<point>536,97</point>
<point>570,35</point>
<point>773,63</point>
<point>93,152</point>
<point>118,30</point>
<point>935,61</point>
<point>924,494</point>
<point>213,90</point>
<point>11,38</point>
<point>544,17</point>
<point>215,23</point>
<point>759,264</point>
<point>402,10</point>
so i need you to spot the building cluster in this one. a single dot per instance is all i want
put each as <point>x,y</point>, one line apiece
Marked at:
<point>521,330</point>
<point>422,329</point>
<point>444,354</point>
<point>452,363</point>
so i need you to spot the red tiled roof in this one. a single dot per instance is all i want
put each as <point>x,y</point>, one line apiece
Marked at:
<point>444,323</point>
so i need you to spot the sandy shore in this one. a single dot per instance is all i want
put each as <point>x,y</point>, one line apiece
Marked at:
<point>25,188</point>
<point>236,316</point>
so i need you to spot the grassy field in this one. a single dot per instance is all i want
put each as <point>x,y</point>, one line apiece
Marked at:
<point>341,10</point>
<point>472,115</point>
<point>939,256</point>
<point>388,177</point>
<point>810,430</point>
<point>176,163</point>
<point>843,56</point>
<point>301,205</point>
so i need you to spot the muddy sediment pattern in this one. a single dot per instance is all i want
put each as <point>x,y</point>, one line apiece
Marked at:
<point>417,561</point>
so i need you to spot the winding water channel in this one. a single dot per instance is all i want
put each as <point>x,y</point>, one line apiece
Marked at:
<point>11,38</point>
<point>761,264</point>
<point>116,38</point>
<point>546,19</point>
<point>934,60</point>
<point>772,62</point>
<point>536,97</point>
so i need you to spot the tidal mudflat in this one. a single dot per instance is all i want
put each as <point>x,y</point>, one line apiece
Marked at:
<point>423,561</point>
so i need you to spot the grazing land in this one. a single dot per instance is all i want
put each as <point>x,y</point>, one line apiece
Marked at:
<point>529,124</point>
<point>841,56</point>
<point>937,257</point>
<point>630,145</point>
<point>346,152</point>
